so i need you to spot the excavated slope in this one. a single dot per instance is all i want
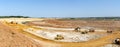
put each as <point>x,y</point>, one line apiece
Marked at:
<point>11,38</point>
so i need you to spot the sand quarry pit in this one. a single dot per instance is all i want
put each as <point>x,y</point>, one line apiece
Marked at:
<point>61,33</point>
<point>68,35</point>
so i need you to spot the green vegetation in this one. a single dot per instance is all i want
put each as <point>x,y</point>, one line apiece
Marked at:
<point>92,18</point>
<point>14,17</point>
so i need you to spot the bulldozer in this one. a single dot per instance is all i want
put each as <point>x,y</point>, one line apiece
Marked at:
<point>91,30</point>
<point>109,31</point>
<point>77,29</point>
<point>117,41</point>
<point>59,37</point>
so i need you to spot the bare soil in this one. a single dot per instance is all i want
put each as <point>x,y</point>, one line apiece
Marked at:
<point>11,38</point>
<point>103,24</point>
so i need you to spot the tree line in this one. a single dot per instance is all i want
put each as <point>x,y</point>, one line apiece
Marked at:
<point>14,17</point>
<point>92,18</point>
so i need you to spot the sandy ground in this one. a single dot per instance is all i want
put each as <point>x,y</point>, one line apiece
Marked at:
<point>103,24</point>
<point>11,38</point>
<point>69,36</point>
<point>12,35</point>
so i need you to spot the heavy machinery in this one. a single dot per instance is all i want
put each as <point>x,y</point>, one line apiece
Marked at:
<point>117,41</point>
<point>77,29</point>
<point>59,37</point>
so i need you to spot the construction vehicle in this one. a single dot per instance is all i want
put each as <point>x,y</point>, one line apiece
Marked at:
<point>59,37</point>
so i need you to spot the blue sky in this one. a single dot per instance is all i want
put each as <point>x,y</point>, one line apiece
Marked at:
<point>60,8</point>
